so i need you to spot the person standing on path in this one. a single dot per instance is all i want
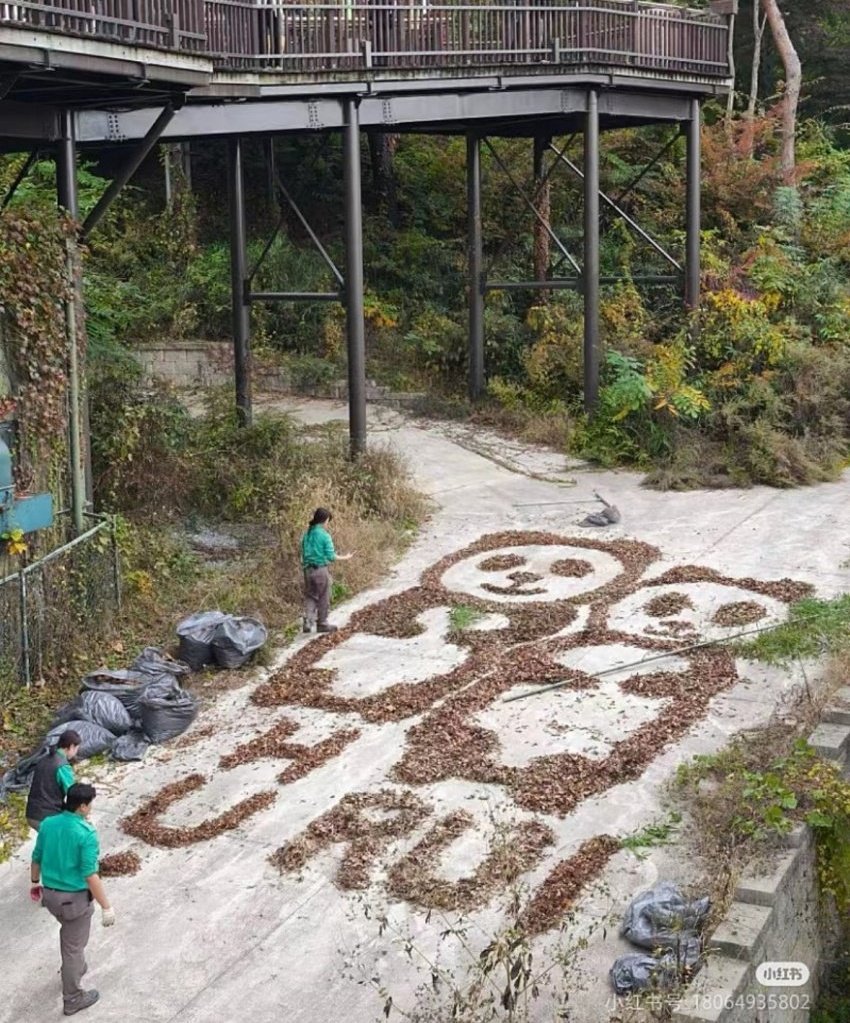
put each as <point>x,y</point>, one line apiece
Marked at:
<point>317,552</point>
<point>52,778</point>
<point>64,877</point>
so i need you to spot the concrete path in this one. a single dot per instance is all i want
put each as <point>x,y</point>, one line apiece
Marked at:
<point>212,932</point>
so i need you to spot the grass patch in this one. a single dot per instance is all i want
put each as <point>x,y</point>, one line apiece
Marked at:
<point>653,835</point>
<point>462,616</point>
<point>814,627</point>
<point>13,824</point>
<point>744,799</point>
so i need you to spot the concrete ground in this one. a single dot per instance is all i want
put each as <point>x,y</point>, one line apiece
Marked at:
<point>213,933</point>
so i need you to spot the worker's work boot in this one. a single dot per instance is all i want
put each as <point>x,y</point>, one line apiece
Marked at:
<point>325,627</point>
<point>86,999</point>
<point>307,626</point>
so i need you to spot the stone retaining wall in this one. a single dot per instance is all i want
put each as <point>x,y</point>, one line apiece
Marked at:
<point>776,916</point>
<point>188,364</point>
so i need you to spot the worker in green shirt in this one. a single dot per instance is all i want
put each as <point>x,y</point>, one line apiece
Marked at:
<point>64,876</point>
<point>52,778</point>
<point>317,552</point>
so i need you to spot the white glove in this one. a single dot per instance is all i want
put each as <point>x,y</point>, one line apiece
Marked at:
<point>107,917</point>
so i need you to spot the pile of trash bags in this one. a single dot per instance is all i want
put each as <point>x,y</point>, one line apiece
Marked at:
<point>213,637</point>
<point>123,712</point>
<point>665,922</point>
<point>119,712</point>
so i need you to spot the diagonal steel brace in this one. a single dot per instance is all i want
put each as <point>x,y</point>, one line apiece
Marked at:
<point>535,195</point>
<point>306,225</point>
<point>632,223</point>
<point>541,220</point>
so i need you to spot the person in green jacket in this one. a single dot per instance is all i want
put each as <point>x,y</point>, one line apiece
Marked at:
<point>317,552</point>
<point>65,879</point>
<point>52,778</point>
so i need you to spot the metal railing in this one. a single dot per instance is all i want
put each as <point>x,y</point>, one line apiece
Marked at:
<point>407,36</point>
<point>52,607</point>
<point>176,25</point>
<point>357,36</point>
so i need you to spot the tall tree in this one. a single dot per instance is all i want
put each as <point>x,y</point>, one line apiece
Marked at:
<point>382,147</point>
<point>543,202</point>
<point>793,85</point>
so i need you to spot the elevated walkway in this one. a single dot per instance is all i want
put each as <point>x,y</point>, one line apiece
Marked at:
<point>136,72</point>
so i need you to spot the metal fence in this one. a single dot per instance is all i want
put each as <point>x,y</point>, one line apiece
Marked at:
<point>358,36</point>
<point>362,36</point>
<point>52,607</point>
<point>161,24</point>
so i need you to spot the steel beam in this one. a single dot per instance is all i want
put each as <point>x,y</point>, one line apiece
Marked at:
<point>694,210</point>
<point>128,170</point>
<point>241,313</point>
<point>355,314</point>
<point>66,188</point>
<point>450,110</point>
<point>591,252</point>
<point>476,265</point>
<point>294,296</point>
<point>575,283</point>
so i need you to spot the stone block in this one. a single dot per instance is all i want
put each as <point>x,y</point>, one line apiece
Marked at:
<point>762,889</point>
<point>741,932</point>
<point>721,980</point>
<point>830,741</point>
<point>798,837</point>
<point>837,711</point>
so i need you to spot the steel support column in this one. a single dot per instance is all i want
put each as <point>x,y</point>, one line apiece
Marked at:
<point>590,274</point>
<point>355,318</point>
<point>694,208</point>
<point>241,312</point>
<point>66,188</point>
<point>476,267</point>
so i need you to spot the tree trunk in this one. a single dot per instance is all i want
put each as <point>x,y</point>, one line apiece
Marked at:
<point>382,147</point>
<point>543,201</point>
<point>793,85</point>
<point>733,72</point>
<point>759,26</point>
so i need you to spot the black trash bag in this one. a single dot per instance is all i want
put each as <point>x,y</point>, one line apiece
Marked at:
<point>643,972</point>
<point>102,709</point>
<point>153,661</point>
<point>94,738</point>
<point>196,634</point>
<point>663,918</point>
<point>166,712</point>
<point>128,686</point>
<point>19,777</point>
<point>131,746</point>
<point>236,639</point>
